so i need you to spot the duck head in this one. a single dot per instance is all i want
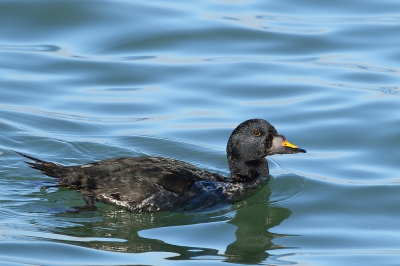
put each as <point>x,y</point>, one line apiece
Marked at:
<point>249,144</point>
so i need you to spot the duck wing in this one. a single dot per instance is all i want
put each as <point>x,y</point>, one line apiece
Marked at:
<point>127,182</point>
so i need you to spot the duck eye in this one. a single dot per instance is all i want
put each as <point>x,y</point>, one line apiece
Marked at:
<point>256,133</point>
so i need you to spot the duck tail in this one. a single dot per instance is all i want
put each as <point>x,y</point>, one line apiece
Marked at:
<point>48,168</point>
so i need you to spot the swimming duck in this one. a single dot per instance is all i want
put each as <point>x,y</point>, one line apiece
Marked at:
<point>149,184</point>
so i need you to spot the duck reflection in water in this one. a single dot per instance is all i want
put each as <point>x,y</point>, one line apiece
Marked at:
<point>248,240</point>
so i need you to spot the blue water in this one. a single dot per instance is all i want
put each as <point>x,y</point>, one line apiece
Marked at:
<point>89,80</point>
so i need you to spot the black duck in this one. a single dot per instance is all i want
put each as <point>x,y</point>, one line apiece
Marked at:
<point>148,184</point>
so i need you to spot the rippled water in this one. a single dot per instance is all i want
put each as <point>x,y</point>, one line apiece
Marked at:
<point>84,81</point>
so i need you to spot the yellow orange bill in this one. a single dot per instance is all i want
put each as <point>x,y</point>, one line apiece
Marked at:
<point>288,144</point>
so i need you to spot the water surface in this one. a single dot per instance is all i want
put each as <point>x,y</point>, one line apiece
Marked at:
<point>85,81</point>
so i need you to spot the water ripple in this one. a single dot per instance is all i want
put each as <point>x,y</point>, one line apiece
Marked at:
<point>69,116</point>
<point>30,48</point>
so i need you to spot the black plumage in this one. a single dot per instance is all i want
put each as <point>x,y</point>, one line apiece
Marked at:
<point>148,184</point>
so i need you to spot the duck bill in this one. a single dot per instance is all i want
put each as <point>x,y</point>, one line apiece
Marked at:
<point>281,146</point>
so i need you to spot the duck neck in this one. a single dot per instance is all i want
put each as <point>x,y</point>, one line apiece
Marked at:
<point>247,171</point>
